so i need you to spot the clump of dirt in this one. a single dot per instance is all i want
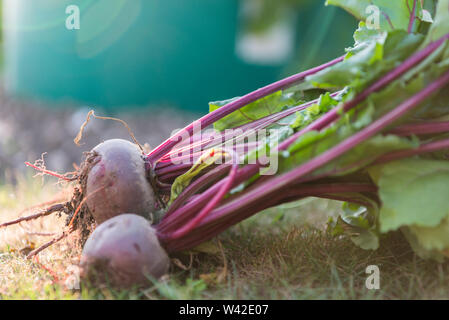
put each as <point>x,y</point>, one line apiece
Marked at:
<point>79,217</point>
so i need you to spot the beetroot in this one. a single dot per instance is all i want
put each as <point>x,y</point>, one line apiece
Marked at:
<point>125,250</point>
<point>117,182</point>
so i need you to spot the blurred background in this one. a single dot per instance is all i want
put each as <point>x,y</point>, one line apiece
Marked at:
<point>153,63</point>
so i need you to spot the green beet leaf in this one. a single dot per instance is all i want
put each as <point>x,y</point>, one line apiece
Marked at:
<point>413,193</point>
<point>253,111</point>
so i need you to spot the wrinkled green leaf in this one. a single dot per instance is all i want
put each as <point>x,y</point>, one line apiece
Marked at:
<point>413,193</point>
<point>433,238</point>
<point>419,249</point>
<point>366,239</point>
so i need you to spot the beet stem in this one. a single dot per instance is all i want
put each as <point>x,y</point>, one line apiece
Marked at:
<point>425,148</point>
<point>421,128</point>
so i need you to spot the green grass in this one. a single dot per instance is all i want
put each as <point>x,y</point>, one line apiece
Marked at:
<point>279,254</point>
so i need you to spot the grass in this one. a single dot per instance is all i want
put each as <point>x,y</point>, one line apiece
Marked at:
<point>279,254</point>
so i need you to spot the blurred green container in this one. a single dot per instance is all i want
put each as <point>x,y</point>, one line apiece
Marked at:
<point>131,52</point>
